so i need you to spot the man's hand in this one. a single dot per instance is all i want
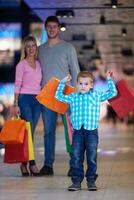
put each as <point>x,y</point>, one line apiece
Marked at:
<point>67,78</point>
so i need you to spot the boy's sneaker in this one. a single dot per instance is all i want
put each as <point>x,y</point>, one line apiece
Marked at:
<point>92,187</point>
<point>74,187</point>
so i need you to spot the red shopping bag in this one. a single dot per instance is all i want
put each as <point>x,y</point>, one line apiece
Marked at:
<point>15,153</point>
<point>47,96</point>
<point>13,131</point>
<point>123,103</point>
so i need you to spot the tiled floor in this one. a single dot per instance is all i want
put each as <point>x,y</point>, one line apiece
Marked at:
<point>115,169</point>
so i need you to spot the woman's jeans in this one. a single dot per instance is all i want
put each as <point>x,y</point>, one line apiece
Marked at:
<point>84,141</point>
<point>30,110</point>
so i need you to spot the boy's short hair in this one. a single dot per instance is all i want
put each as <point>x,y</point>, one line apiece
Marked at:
<point>52,19</point>
<point>85,74</point>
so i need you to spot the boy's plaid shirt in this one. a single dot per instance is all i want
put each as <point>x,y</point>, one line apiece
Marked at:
<point>85,108</point>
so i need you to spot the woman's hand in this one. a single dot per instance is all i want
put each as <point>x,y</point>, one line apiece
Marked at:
<point>67,78</point>
<point>14,110</point>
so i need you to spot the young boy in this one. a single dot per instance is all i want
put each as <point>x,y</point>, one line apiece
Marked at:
<point>85,109</point>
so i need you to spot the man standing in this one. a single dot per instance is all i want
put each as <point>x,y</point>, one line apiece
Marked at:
<point>58,58</point>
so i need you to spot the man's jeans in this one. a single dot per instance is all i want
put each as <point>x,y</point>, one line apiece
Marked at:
<point>84,141</point>
<point>49,118</point>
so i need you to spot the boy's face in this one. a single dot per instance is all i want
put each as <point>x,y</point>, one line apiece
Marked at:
<point>84,84</point>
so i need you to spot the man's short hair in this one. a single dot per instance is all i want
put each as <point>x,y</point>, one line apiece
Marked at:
<point>52,19</point>
<point>85,74</point>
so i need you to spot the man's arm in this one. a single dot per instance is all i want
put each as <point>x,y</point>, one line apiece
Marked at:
<point>73,64</point>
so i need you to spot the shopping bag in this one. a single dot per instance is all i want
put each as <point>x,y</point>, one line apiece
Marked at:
<point>68,145</point>
<point>47,96</point>
<point>13,131</point>
<point>69,128</point>
<point>15,153</point>
<point>30,142</point>
<point>123,103</point>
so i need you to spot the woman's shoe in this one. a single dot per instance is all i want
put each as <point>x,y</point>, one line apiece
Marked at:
<point>34,170</point>
<point>24,170</point>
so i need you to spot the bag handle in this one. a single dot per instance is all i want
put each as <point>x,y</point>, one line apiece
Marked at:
<point>15,117</point>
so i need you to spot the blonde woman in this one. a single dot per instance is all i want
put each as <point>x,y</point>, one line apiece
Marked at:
<point>27,85</point>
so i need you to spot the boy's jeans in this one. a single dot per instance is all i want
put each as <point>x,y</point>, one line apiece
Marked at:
<point>84,140</point>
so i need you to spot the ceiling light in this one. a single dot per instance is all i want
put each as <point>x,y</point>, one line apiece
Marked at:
<point>114,3</point>
<point>63,27</point>
<point>67,13</point>
<point>70,13</point>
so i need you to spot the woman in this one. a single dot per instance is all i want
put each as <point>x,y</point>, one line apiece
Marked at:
<point>27,85</point>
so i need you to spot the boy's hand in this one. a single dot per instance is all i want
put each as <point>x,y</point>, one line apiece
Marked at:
<point>67,78</point>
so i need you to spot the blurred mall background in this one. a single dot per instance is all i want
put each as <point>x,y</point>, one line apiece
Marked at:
<point>101,31</point>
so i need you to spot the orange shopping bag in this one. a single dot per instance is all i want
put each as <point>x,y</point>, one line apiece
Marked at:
<point>15,153</point>
<point>13,131</point>
<point>47,96</point>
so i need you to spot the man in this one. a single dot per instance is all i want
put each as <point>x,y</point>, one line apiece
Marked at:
<point>57,58</point>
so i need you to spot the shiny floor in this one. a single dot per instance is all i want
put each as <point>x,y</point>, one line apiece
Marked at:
<point>115,169</point>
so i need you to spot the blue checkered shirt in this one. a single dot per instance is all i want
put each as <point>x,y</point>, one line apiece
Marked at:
<point>85,108</point>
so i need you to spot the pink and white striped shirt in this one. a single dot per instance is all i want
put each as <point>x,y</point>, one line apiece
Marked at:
<point>27,79</point>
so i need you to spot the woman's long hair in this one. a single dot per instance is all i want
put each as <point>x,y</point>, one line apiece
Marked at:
<point>23,49</point>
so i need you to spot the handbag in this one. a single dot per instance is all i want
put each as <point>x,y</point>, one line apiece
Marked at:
<point>47,96</point>
<point>13,131</point>
<point>123,103</point>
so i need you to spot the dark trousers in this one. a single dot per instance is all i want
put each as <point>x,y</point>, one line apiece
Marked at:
<point>84,141</point>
